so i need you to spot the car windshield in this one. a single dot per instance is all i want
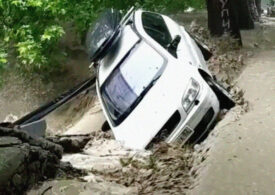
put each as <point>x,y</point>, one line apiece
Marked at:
<point>129,82</point>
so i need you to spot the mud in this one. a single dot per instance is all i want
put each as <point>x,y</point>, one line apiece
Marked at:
<point>208,168</point>
<point>165,170</point>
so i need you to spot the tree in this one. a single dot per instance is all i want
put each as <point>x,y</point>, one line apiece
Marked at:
<point>230,16</point>
<point>259,6</point>
<point>30,30</point>
<point>223,18</point>
<point>245,15</point>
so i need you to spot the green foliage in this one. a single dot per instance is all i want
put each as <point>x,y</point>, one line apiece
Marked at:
<point>3,59</point>
<point>3,63</point>
<point>197,4</point>
<point>32,29</point>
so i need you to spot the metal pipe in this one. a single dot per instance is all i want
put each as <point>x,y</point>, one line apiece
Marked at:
<point>49,107</point>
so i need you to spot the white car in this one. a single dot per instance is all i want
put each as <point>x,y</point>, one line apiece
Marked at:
<point>152,80</point>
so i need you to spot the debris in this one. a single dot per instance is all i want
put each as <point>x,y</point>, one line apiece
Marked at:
<point>165,171</point>
<point>71,143</point>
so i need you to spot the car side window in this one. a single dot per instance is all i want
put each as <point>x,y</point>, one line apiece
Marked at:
<point>155,26</point>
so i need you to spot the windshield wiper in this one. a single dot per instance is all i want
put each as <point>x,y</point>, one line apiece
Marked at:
<point>142,95</point>
<point>138,100</point>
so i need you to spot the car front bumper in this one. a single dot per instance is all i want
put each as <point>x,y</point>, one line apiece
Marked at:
<point>198,119</point>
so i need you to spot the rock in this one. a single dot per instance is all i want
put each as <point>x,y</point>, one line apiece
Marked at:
<point>17,180</point>
<point>25,161</point>
<point>71,143</point>
<point>10,160</point>
<point>9,141</point>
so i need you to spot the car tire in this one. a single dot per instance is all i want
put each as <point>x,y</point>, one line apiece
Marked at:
<point>225,99</point>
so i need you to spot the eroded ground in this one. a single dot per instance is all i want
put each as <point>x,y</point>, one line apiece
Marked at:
<point>242,160</point>
<point>241,148</point>
<point>234,159</point>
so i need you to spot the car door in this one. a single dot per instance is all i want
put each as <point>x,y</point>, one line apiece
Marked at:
<point>187,48</point>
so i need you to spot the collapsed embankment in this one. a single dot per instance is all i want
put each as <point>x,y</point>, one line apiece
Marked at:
<point>239,152</point>
<point>113,169</point>
<point>166,169</point>
<point>241,156</point>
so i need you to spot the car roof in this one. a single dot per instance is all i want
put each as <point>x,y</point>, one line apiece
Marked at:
<point>130,36</point>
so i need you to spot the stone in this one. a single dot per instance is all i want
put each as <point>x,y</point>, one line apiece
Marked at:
<point>71,144</point>
<point>10,160</point>
<point>17,180</point>
<point>9,141</point>
<point>24,161</point>
<point>35,166</point>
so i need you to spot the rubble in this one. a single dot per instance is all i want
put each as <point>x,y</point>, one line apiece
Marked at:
<point>71,143</point>
<point>227,62</point>
<point>64,187</point>
<point>24,160</point>
<point>167,170</point>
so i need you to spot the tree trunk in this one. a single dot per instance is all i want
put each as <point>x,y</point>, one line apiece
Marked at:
<point>253,10</point>
<point>214,18</point>
<point>246,21</point>
<point>223,17</point>
<point>259,6</point>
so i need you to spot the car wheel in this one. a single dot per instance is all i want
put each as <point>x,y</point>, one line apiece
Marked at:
<point>225,99</point>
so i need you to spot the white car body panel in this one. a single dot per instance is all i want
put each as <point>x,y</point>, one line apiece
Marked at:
<point>187,48</point>
<point>128,39</point>
<point>165,97</point>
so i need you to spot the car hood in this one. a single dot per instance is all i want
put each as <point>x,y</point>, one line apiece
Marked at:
<point>158,105</point>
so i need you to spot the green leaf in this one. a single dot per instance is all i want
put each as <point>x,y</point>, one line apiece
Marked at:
<point>52,33</point>
<point>35,3</point>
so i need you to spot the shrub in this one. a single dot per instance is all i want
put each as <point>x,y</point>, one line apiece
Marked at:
<point>32,29</point>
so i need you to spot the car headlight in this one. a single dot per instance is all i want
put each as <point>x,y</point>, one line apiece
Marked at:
<point>190,94</point>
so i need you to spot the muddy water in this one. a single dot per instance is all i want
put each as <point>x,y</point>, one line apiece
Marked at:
<point>91,121</point>
<point>75,187</point>
<point>200,17</point>
<point>241,158</point>
<point>101,154</point>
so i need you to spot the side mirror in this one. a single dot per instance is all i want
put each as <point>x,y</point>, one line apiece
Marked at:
<point>173,46</point>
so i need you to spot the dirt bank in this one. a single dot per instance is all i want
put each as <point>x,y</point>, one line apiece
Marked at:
<point>167,170</point>
<point>241,156</point>
<point>225,160</point>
